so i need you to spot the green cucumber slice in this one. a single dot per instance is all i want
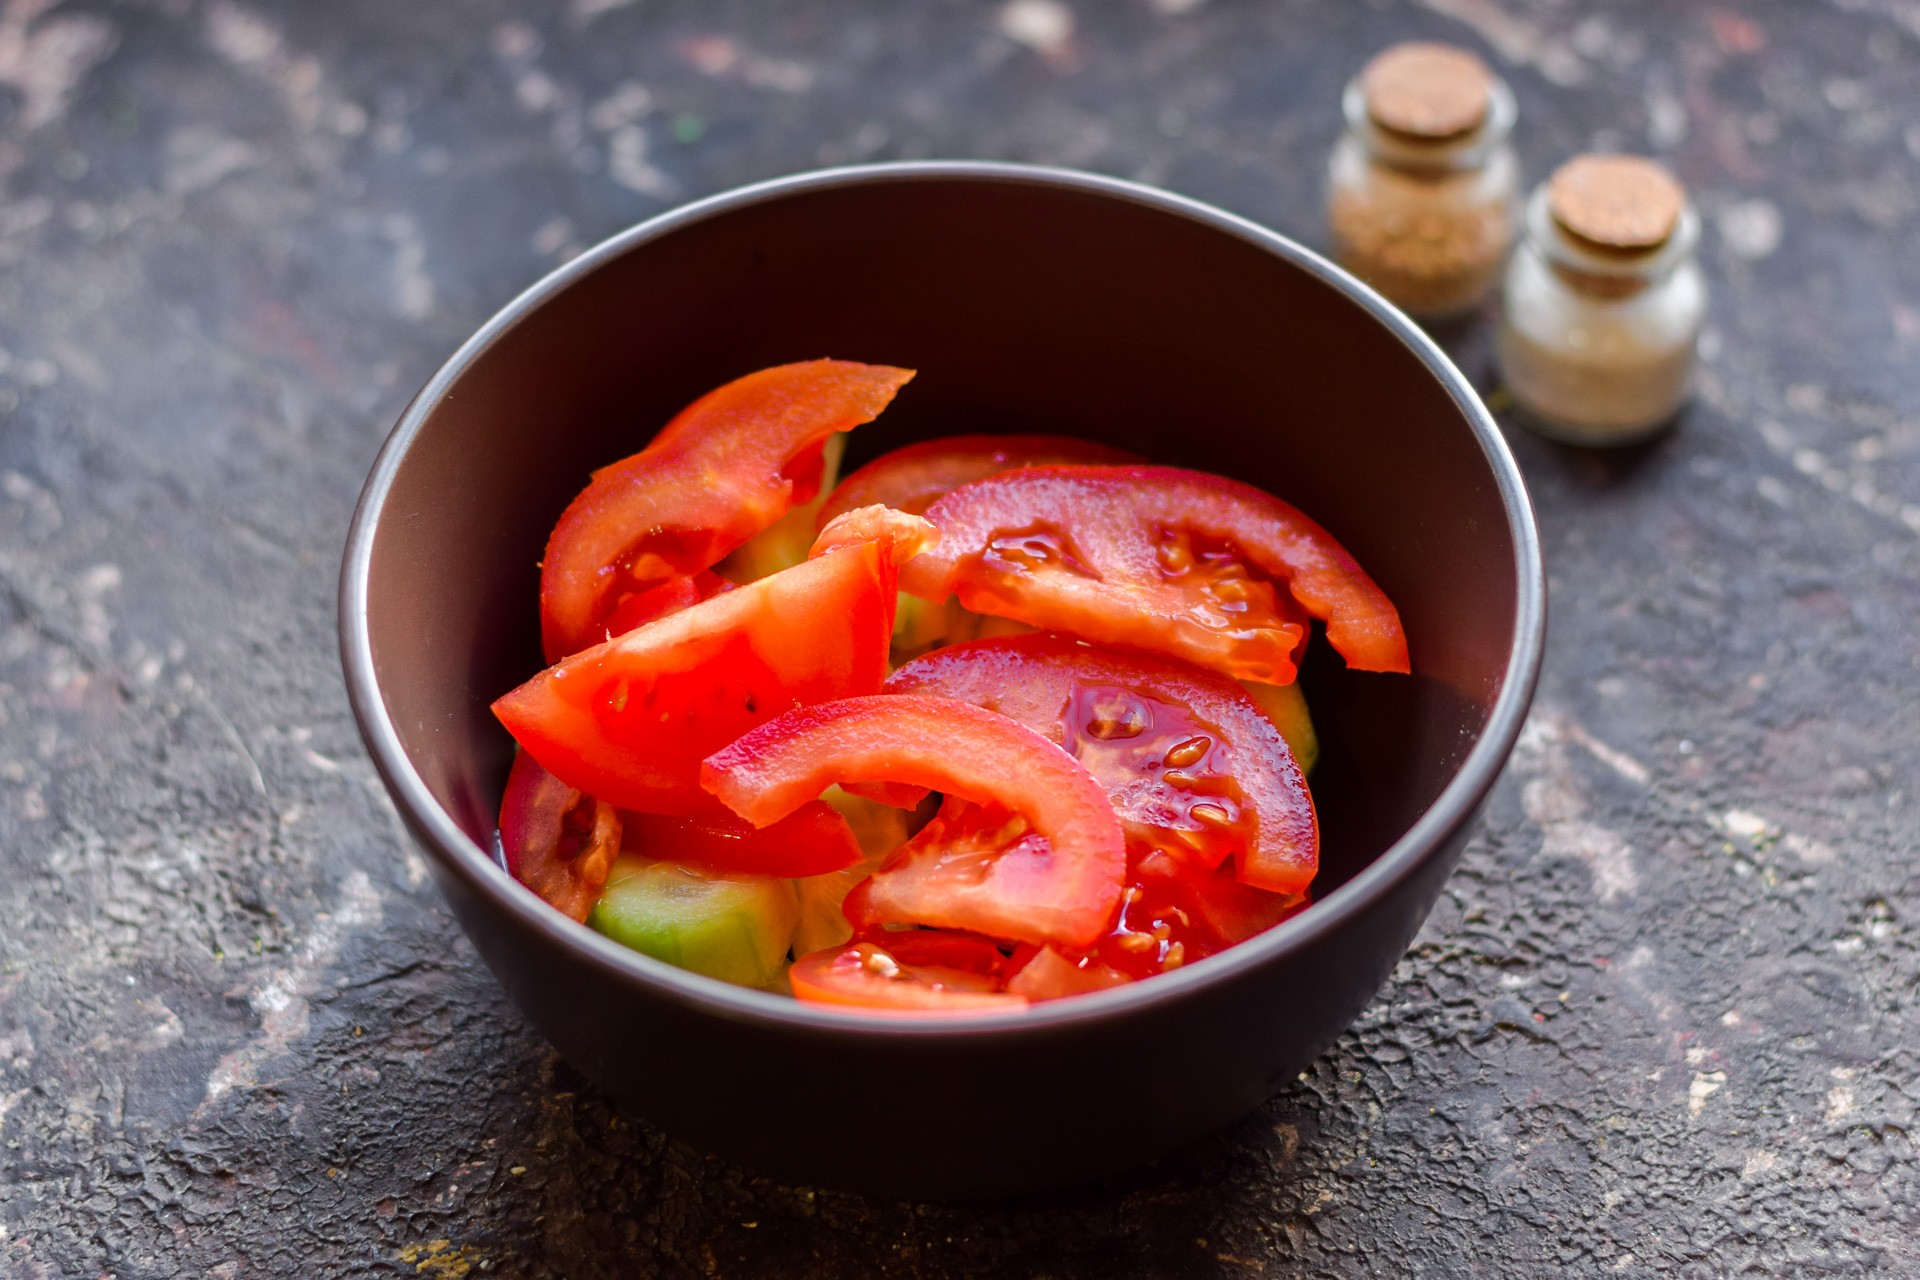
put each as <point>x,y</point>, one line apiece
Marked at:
<point>1286,706</point>
<point>787,540</point>
<point>734,928</point>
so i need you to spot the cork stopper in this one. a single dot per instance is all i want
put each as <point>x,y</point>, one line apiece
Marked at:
<point>1622,203</point>
<point>1427,91</point>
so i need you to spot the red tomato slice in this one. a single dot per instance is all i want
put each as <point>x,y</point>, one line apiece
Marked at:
<point>903,535</point>
<point>1059,883</point>
<point>1218,903</point>
<point>1190,762</point>
<point>1157,558</point>
<point>956,872</point>
<point>630,720</point>
<point>866,975</point>
<point>638,608</point>
<point>728,466</point>
<point>810,841</point>
<point>943,948</point>
<point>910,479</point>
<point>1049,975</point>
<point>557,842</point>
<point>1172,912</point>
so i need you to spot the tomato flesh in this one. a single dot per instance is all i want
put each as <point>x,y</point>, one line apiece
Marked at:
<point>1174,914</point>
<point>1065,881</point>
<point>912,478</point>
<point>1189,761</point>
<point>727,466</point>
<point>637,608</point>
<point>971,867</point>
<point>630,720</point>
<point>557,842</point>
<point>944,948</point>
<point>1227,909</point>
<point>1050,975</point>
<point>810,841</point>
<point>866,975</point>
<point>1158,558</point>
<point>904,536</point>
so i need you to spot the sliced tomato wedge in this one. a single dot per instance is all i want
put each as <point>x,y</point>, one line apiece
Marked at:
<point>1060,882</point>
<point>810,841</point>
<point>910,479</point>
<point>728,466</point>
<point>945,948</point>
<point>630,720</point>
<point>903,535</point>
<point>1158,558</point>
<point>557,842</point>
<point>867,975</point>
<point>956,872</point>
<point>637,608</point>
<point>1221,905</point>
<point>1190,762</point>
<point>1049,975</point>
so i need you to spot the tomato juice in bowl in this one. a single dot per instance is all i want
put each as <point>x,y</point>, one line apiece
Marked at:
<point>1031,301</point>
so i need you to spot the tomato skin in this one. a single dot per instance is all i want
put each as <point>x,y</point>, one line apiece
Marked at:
<point>1102,552</point>
<point>1245,772</point>
<point>810,841</point>
<point>558,842</point>
<point>629,720</point>
<point>866,975</point>
<point>910,479</point>
<point>1063,886</point>
<point>727,466</point>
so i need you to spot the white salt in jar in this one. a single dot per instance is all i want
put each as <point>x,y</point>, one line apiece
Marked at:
<point>1603,302</point>
<point>1423,188</point>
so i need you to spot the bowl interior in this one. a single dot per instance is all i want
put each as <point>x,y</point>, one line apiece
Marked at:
<point>1025,306</point>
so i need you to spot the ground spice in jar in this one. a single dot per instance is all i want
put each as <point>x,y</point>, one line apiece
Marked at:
<point>1423,187</point>
<point>1603,302</point>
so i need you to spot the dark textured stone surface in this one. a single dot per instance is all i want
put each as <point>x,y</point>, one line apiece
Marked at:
<point>1663,1022</point>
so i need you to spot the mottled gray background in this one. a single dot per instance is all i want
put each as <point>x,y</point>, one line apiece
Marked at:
<point>1663,1020</point>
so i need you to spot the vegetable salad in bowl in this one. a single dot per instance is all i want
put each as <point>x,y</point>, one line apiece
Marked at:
<point>994,720</point>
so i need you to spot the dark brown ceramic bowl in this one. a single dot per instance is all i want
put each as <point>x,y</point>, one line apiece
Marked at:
<point>1029,300</point>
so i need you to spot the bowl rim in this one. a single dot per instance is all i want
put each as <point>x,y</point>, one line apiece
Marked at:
<point>482,874</point>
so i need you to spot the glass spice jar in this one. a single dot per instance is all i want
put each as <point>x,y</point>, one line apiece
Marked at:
<point>1423,188</point>
<point>1604,302</point>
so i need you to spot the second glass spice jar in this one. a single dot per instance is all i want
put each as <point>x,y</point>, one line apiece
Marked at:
<point>1423,188</point>
<point>1604,302</point>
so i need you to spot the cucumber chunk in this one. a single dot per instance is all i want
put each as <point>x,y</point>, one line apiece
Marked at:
<point>734,928</point>
<point>1286,706</point>
<point>787,540</point>
<point>920,626</point>
<point>880,829</point>
<point>822,923</point>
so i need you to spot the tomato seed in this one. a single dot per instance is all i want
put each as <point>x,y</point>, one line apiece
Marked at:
<point>1215,815</point>
<point>1189,752</point>
<point>1230,591</point>
<point>1118,716</point>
